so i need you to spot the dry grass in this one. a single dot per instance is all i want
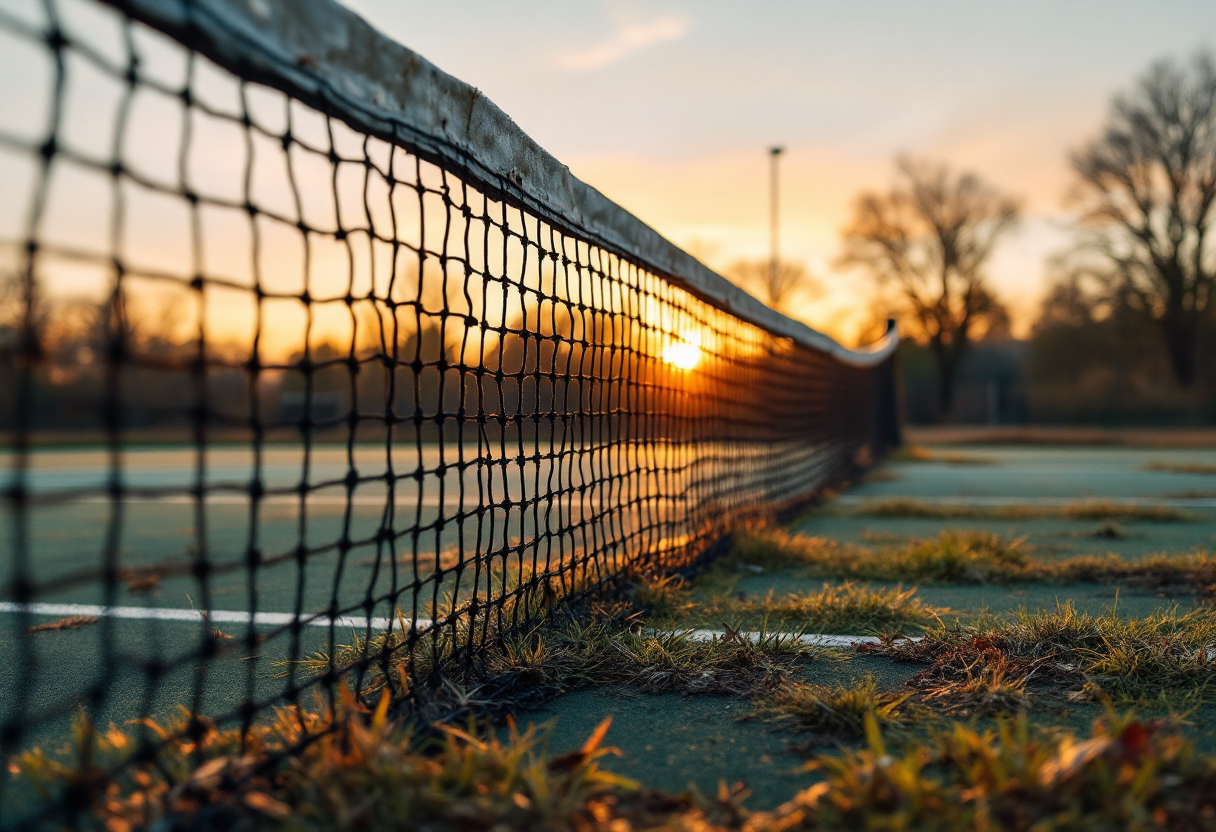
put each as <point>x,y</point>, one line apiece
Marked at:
<point>833,711</point>
<point>966,557</point>
<point>427,671</point>
<point>363,772</point>
<point>1126,775</point>
<point>569,655</point>
<point>661,597</point>
<point>986,687</point>
<point>1166,659</point>
<point>847,609</point>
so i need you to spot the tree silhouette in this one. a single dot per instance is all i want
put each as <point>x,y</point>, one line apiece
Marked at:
<point>781,290</point>
<point>1147,187</point>
<point>930,237</point>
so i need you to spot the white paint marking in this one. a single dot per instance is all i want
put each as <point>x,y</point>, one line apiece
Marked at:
<point>279,619</point>
<point>274,619</point>
<point>816,639</point>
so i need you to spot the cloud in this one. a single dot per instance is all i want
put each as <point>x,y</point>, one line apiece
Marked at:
<point>626,39</point>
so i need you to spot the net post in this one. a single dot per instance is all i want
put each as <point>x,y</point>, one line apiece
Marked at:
<point>891,398</point>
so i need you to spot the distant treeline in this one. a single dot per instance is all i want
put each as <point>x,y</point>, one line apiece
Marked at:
<point>1088,360</point>
<point>94,366</point>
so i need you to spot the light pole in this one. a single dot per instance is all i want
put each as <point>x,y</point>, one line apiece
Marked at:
<point>774,257</point>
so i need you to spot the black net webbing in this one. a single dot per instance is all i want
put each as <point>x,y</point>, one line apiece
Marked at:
<point>274,380</point>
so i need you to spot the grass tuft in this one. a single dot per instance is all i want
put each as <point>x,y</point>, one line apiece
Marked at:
<point>362,771</point>
<point>959,557</point>
<point>1166,658</point>
<point>570,655</point>
<point>848,608</point>
<point>357,770</point>
<point>833,711</point>
<point>953,557</point>
<point>1126,775</point>
<point>661,597</point>
<point>986,687</point>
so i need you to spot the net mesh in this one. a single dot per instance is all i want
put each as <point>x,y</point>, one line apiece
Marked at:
<point>275,383</point>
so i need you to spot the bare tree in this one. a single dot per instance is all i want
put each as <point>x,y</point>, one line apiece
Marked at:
<point>1147,186</point>
<point>929,238</point>
<point>10,308</point>
<point>783,290</point>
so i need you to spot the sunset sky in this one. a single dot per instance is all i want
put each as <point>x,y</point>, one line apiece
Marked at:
<point>668,107</point>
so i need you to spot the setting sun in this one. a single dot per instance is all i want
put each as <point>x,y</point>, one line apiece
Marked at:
<point>685,352</point>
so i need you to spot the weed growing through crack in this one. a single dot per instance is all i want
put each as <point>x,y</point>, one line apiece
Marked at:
<point>966,557</point>
<point>571,654</point>
<point>988,686</point>
<point>951,557</point>
<point>661,596</point>
<point>1166,659</point>
<point>848,608</point>
<point>904,508</point>
<point>833,711</point>
<point>1126,775</point>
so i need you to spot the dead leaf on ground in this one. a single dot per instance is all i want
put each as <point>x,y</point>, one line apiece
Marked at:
<point>140,586</point>
<point>72,622</point>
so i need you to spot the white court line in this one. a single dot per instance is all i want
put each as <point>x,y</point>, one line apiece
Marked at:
<point>816,639</point>
<point>276,619</point>
<point>283,618</point>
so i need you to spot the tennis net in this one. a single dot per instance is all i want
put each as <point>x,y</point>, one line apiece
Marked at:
<point>303,340</point>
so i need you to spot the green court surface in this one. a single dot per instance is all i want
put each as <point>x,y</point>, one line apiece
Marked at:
<point>326,550</point>
<point>670,742</point>
<point>315,541</point>
<point>1037,473</point>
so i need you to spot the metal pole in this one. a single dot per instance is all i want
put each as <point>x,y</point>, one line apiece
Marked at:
<point>774,206</point>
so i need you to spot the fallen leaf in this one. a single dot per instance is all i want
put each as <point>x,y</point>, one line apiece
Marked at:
<point>141,586</point>
<point>72,622</point>
<point>1071,758</point>
<point>267,805</point>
